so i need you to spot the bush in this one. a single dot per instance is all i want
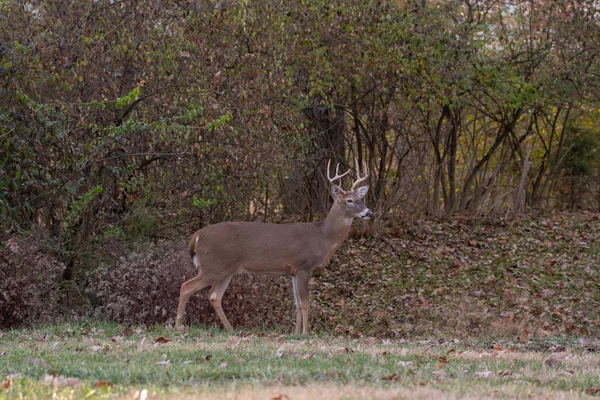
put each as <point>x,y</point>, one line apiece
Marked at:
<point>142,286</point>
<point>30,289</point>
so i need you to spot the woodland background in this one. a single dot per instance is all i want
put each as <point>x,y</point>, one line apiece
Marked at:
<point>127,125</point>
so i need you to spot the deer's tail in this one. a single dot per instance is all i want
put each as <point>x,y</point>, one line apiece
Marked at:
<point>193,244</point>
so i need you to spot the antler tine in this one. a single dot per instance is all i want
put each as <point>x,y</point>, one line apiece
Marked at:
<point>359,178</point>
<point>337,172</point>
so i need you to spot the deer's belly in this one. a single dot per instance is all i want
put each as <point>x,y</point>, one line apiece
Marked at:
<point>275,269</point>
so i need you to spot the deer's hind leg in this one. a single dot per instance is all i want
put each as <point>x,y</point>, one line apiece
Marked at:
<point>216,295</point>
<point>188,288</point>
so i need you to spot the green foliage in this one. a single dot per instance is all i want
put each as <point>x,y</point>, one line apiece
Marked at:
<point>583,153</point>
<point>77,207</point>
<point>129,98</point>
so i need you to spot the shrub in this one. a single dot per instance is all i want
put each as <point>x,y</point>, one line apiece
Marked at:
<point>30,286</point>
<point>142,286</point>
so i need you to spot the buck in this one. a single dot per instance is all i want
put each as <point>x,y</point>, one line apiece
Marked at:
<point>222,250</point>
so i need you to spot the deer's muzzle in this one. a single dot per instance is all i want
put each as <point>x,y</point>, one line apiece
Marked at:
<point>366,214</point>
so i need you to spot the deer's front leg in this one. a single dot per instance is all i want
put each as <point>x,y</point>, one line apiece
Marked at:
<point>302,279</point>
<point>298,306</point>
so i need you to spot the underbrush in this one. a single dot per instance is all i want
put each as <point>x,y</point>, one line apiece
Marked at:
<point>447,279</point>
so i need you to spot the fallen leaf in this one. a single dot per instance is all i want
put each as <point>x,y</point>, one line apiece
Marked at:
<point>281,397</point>
<point>163,363</point>
<point>404,363</point>
<point>441,362</point>
<point>280,353</point>
<point>6,384</point>
<point>128,331</point>
<point>483,374</point>
<point>370,341</point>
<point>506,372</point>
<point>161,340</point>
<point>525,335</point>
<point>223,365</point>
<point>102,383</point>
<point>554,360</point>
<point>593,391</point>
<point>497,347</point>
<point>392,378</point>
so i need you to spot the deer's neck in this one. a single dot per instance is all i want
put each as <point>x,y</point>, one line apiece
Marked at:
<point>336,226</point>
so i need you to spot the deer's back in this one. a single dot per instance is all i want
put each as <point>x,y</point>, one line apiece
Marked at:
<point>258,247</point>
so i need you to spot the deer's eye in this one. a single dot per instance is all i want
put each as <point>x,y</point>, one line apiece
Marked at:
<point>349,201</point>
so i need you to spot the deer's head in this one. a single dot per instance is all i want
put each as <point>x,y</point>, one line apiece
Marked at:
<point>350,202</point>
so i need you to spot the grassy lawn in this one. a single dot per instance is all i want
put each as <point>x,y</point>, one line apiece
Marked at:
<point>113,361</point>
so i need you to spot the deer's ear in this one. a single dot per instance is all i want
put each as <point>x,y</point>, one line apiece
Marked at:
<point>336,191</point>
<point>362,191</point>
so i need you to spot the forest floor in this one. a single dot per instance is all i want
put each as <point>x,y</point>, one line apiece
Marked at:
<point>87,360</point>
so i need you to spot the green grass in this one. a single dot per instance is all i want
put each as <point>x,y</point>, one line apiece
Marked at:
<point>112,361</point>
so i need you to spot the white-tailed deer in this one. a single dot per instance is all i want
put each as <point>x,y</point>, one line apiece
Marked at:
<point>296,249</point>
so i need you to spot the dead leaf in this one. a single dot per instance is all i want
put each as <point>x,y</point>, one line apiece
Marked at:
<point>164,363</point>
<point>506,372</point>
<point>281,397</point>
<point>591,391</point>
<point>554,360</point>
<point>392,378</point>
<point>223,365</point>
<point>525,335</point>
<point>161,340</point>
<point>498,347</point>
<point>370,341</point>
<point>7,384</point>
<point>348,350</point>
<point>127,331</point>
<point>441,362</point>
<point>483,374</point>
<point>102,383</point>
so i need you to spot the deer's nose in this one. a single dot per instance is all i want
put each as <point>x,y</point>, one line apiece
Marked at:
<point>366,214</point>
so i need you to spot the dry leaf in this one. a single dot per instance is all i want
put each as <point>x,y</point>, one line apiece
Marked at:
<point>441,362</point>
<point>161,340</point>
<point>102,383</point>
<point>127,331</point>
<point>483,374</point>
<point>591,391</point>
<point>281,397</point>
<point>163,363</point>
<point>525,335</point>
<point>7,384</point>
<point>392,378</point>
<point>370,341</point>
<point>223,365</point>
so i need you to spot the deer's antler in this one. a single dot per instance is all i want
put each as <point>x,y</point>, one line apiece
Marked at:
<point>337,173</point>
<point>359,178</point>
